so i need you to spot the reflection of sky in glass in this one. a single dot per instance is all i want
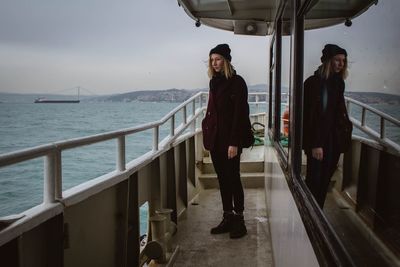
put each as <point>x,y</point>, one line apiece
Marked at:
<point>372,47</point>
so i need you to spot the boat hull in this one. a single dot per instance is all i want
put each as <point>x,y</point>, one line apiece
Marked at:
<point>56,101</point>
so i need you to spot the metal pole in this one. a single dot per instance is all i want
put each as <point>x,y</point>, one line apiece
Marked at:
<point>382,128</point>
<point>155,138</point>
<point>296,109</point>
<point>193,126</point>
<point>363,116</point>
<point>184,115</point>
<point>58,175</point>
<point>257,99</point>
<point>49,181</point>
<point>172,130</point>
<point>121,153</point>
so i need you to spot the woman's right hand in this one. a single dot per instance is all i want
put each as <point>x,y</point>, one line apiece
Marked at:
<point>317,153</point>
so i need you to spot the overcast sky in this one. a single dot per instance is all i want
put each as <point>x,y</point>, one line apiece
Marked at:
<point>119,46</point>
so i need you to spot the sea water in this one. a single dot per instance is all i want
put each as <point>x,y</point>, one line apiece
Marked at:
<point>24,126</point>
<point>27,125</point>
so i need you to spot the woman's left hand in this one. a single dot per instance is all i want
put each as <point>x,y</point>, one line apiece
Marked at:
<point>232,151</point>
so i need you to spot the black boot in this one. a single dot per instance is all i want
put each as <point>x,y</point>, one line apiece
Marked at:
<point>238,228</point>
<point>224,226</point>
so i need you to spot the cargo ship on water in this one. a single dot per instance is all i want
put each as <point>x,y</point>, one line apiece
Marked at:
<point>43,100</point>
<point>47,101</point>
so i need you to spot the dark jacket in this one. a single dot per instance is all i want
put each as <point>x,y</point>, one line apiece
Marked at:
<point>227,113</point>
<point>323,104</point>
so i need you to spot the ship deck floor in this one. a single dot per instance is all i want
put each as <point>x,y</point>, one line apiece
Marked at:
<point>197,247</point>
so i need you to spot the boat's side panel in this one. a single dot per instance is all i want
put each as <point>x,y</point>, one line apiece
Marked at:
<point>95,228</point>
<point>192,178</point>
<point>181,177</point>
<point>290,242</point>
<point>370,184</point>
<point>40,246</point>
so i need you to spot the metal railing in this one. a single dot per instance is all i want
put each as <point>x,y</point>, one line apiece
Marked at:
<point>52,153</point>
<point>362,124</point>
<point>254,99</point>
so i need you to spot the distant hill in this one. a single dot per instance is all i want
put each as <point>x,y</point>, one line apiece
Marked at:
<point>180,95</point>
<point>169,95</point>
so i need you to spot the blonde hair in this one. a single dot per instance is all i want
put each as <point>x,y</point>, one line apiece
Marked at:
<point>228,70</point>
<point>325,69</point>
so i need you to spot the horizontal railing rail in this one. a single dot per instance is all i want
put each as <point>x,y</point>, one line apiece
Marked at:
<point>52,153</point>
<point>53,157</point>
<point>362,124</point>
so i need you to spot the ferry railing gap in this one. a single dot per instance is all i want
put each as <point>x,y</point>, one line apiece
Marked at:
<point>52,153</point>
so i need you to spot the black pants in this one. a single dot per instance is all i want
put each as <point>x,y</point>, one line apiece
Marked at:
<point>319,173</point>
<point>230,186</point>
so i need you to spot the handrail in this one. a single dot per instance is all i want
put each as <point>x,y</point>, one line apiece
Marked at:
<point>362,124</point>
<point>52,152</point>
<point>38,151</point>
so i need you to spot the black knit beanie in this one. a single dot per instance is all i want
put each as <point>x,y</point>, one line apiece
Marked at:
<point>331,50</point>
<point>223,50</point>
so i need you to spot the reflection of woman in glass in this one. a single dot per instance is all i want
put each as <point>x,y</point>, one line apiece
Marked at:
<point>323,106</point>
<point>227,112</point>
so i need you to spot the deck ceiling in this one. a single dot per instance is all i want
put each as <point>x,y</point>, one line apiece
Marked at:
<point>256,17</point>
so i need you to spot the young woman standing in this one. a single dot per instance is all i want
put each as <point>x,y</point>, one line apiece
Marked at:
<point>226,118</point>
<point>324,110</point>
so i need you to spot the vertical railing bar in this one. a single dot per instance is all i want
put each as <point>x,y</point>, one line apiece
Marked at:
<point>348,107</point>
<point>194,107</point>
<point>49,179</point>
<point>121,153</point>
<point>58,175</point>
<point>382,130</point>
<point>193,125</point>
<point>363,116</point>
<point>257,100</point>
<point>155,138</point>
<point>172,130</point>
<point>184,115</point>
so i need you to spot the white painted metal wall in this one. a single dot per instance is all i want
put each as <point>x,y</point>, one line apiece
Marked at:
<point>290,243</point>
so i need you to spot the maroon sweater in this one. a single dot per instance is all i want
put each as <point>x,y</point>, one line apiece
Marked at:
<point>227,113</point>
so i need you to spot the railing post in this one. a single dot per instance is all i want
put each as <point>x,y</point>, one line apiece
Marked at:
<point>193,126</point>
<point>184,115</point>
<point>121,153</point>
<point>49,179</point>
<point>257,99</point>
<point>382,132</point>
<point>172,130</point>
<point>58,175</point>
<point>201,100</point>
<point>363,116</point>
<point>155,138</point>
